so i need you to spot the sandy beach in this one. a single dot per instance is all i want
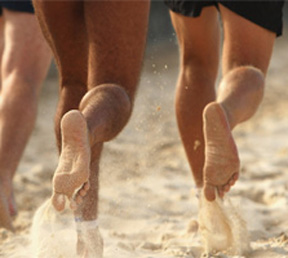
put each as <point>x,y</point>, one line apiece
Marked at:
<point>148,206</point>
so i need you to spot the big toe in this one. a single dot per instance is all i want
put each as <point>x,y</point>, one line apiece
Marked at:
<point>58,201</point>
<point>209,192</point>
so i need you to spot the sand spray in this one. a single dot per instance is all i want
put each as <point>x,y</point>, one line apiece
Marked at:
<point>221,226</point>
<point>54,234</point>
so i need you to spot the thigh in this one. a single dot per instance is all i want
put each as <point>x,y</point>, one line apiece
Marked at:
<point>62,23</point>
<point>26,52</point>
<point>198,40</point>
<point>117,36</point>
<point>245,42</point>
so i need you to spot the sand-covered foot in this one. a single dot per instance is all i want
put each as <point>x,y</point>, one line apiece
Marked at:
<point>221,169</point>
<point>71,176</point>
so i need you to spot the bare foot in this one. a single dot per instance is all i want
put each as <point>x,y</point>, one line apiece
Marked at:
<point>71,176</point>
<point>221,169</point>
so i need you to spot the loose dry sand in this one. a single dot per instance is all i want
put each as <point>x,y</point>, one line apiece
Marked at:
<point>147,204</point>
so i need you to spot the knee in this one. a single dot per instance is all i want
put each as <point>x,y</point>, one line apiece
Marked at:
<point>198,70</point>
<point>248,73</point>
<point>196,80</point>
<point>117,94</point>
<point>19,102</point>
<point>250,70</point>
<point>112,94</point>
<point>24,75</point>
<point>20,86</point>
<point>112,103</point>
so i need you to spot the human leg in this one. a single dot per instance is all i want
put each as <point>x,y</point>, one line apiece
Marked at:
<point>116,33</point>
<point>70,48</point>
<point>22,75</point>
<point>246,54</point>
<point>113,70</point>
<point>113,77</point>
<point>199,48</point>
<point>119,101</point>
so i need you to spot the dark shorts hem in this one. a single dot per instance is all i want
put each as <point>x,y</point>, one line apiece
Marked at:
<point>267,14</point>
<point>17,6</point>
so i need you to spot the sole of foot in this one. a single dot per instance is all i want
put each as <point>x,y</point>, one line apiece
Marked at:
<point>221,168</point>
<point>72,174</point>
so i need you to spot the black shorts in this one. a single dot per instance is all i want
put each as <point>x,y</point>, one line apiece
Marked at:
<point>17,5</point>
<point>267,14</point>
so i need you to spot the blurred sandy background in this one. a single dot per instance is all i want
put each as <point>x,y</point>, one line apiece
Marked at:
<point>147,204</point>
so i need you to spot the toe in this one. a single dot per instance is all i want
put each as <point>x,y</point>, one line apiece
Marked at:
<point>221,192</point>
<point>209,192</point>
<point>233,179</point>
<point>235,176</point>
<point>73,205</point>
<point>231,182</point>
<point>226,188</point>
<point>86,186</point>
<point>78,199</point>
<point>82,192</point>
<point>58,201</point>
